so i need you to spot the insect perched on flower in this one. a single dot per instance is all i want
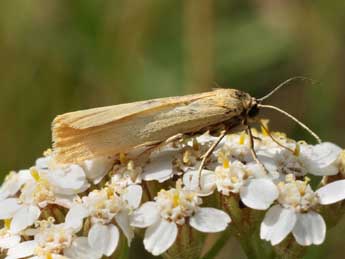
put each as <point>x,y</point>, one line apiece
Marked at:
<point>112,130</point>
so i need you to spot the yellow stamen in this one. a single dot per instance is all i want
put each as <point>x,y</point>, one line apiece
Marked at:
<point>226,163</point>
<point>186,156</point>
<point>123,158</point>
<point>35,174</point>
<point>297,150</point>
<point>176,200</point>
<point>7,223</point>
<point>110,193</point>
<point>265,129</point>
<point>242,138</point>
<point>49,255</point>
<point>234,179</point>
<point>307,179</point>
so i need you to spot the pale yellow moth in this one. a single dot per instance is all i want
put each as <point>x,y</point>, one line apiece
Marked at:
<point>107,131</point>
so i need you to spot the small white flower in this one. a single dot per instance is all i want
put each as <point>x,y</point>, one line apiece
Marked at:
<point>13,182</point>
<point>21,214</point>
<point>256,189</point>
<point>95,169</point>
<point>160,166</point>
<point>50,241</point>
<point>320,160</point>
<point>126,173</point>
<point>170,209</point>
<point>177,158</point>
<point>7,238</point>
<point>296,212</point>
<point>103,207</point>
<point>236,147</point>
<point>41,188</point>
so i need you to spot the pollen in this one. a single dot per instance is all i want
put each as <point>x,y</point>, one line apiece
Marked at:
<point>35,174</point>
<point>226,163</point>
<point>264,128</point>
<point>176,200</point>
<point>297,150</point>
<point>242,138</point>
<point>7,223</point>
<point>234,179</point>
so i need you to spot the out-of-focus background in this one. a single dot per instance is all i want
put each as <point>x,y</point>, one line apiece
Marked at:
<point>59,56</point>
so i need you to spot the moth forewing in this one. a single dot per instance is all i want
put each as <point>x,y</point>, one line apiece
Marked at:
<point>110,130</point>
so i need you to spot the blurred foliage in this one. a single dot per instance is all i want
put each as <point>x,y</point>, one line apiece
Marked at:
<point>59,56</point>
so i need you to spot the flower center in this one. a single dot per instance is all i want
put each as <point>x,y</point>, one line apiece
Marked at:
<point>177,204</point>
<point>52,239</point>
<point>297,194</point>
<point>103,205</point>
<point>230,177</point>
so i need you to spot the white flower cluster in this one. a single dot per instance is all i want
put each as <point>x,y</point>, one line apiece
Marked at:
<point>85,210</point>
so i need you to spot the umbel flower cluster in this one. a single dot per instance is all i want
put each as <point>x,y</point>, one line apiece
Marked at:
<point>96,208</point>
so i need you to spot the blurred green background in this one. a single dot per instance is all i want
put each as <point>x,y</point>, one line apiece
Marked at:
<point>59,56</point>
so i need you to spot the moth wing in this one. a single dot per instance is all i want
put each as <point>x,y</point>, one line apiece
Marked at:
<point>100,116</point>
<point>109,130</point>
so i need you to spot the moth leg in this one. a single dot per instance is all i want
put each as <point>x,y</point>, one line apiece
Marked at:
<point>146,153</point>
<point>274,140</point>
<point>252,150</point>
<point>208,153</point>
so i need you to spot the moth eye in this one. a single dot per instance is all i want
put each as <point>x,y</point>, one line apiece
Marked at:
<point>254,111</point>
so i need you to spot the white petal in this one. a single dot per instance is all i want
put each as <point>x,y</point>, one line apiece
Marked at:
<point>13,184</point>
<point>123,221</point>
<point>80,248</point>
<point>332,192</point>
<point>207,182</point>
<point>75,216</point>
<point>104,238</point>
<point>24,217</point>
<point>65,201</point>
<point>43,163</point>
<point>133,195</point>
<point>321,159</point>
<point>95,169</point>
<point>68,179</point>
<point>145,216</point>
<point>310,229</point>
<point>160,166</point>
<point>9,241</point>
<point>160,236</point>
<point>277,224</point>
<point>210,220</point>
<point>23,249</point>
<point>8,208</point>
<point>259,194</point>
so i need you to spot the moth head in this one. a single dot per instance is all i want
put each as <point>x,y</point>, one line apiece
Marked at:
<point>253,110</point>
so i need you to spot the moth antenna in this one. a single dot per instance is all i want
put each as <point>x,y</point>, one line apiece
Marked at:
<point>292,118</point>
<point>284,84</point>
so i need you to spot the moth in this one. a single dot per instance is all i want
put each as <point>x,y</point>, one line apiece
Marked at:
<point>111,130</point>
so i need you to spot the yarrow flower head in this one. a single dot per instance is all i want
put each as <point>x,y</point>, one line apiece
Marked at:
<point>94,208</point>
<point>104,208</point>
<point>297,211</point>
<point>173,208</point>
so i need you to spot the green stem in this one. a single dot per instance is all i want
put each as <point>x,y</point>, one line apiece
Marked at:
<point>218,246</point>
